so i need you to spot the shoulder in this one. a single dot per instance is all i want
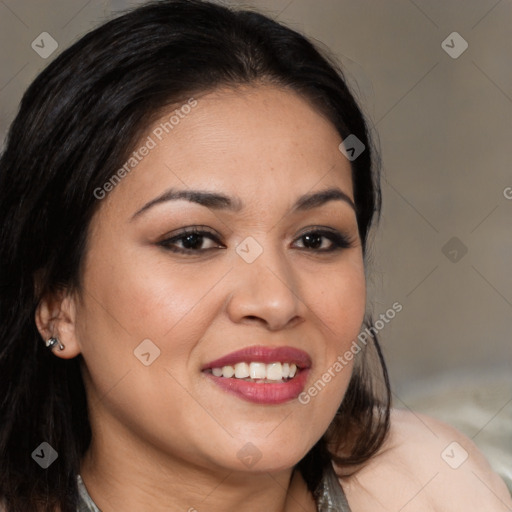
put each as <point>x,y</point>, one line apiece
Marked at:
<point>426,465</point>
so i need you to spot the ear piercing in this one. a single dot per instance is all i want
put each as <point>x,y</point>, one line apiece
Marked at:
<point>51,342</point>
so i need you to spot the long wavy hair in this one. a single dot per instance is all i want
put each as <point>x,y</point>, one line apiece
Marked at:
<point>77,123</point>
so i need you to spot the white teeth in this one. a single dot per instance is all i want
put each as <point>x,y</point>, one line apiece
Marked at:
<point>274,371</point>
<point>257,371</point>
<point>228,371</point>
<point>241,370</point>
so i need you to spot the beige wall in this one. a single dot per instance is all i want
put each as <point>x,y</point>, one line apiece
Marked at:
<point>444,127</point>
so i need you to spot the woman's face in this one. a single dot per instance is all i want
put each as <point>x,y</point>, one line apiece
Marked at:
<point>150,321</point>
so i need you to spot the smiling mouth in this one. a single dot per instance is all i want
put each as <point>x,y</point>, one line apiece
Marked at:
<point>258,372</point>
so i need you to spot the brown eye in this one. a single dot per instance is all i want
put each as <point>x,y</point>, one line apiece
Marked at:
<point>191,240</point>
<point>313,240</point>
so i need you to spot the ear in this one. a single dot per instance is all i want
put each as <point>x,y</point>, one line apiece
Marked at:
<point>56,316</point>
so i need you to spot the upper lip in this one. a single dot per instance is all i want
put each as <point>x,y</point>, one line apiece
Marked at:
<point>262,354</point>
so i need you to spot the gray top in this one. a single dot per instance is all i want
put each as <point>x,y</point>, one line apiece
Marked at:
<point>85,503</point>
<point>331,497</point>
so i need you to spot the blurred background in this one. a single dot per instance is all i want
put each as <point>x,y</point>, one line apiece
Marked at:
<point>434,79</point>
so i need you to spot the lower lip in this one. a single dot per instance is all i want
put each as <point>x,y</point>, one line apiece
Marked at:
<point>263,393</point>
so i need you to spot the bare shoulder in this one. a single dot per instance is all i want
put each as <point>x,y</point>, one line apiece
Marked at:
<point>426,465</point>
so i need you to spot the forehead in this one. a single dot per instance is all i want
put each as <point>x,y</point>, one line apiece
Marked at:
<point>259,142</point>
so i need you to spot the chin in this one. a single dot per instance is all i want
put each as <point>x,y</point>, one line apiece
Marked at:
<point>261,455</point>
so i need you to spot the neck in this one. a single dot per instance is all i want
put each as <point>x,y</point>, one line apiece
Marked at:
<point>121,474</point>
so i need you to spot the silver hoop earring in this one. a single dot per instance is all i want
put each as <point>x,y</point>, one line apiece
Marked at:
<point>51,342</point>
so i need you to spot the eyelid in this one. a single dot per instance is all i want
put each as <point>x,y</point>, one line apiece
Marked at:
<point>196,229</point>
<point>340,239</point>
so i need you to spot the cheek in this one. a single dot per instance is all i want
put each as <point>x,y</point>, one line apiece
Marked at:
<point>341,302</point>
<point>144,298</point>
<point>340,305</point>
<point>133,300</point>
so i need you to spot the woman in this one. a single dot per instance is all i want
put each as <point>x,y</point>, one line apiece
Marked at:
<point>186,198</point>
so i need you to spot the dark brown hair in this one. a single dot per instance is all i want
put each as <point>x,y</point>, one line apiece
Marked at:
<point>77,123</point>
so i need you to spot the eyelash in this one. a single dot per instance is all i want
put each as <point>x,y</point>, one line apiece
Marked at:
<point>339,240</point>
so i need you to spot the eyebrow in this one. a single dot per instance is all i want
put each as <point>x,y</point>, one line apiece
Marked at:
<point>218,201</point>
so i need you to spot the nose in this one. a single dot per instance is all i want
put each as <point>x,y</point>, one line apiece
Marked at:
<point>266,291</point>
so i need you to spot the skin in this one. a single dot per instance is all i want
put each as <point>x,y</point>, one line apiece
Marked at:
<point>165,437</point>
<point>409,473</point>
